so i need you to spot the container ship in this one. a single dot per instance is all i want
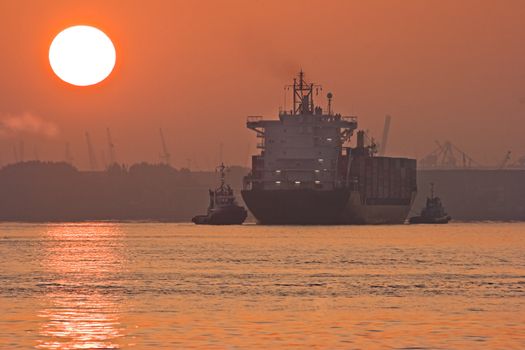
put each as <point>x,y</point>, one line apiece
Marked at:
<point>307,174</point>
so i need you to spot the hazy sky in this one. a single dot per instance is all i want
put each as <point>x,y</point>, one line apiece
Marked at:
<point>444,70</point>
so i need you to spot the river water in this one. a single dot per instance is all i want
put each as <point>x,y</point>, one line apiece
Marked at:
<point>179,286</point>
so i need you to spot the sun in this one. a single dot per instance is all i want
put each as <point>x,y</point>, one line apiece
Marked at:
<point>82,55</point>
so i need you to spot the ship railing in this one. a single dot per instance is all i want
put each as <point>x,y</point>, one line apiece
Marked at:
<point>284,112</point>
<point>254,118</point>
<point>349,118</point>
<point>339,118</point>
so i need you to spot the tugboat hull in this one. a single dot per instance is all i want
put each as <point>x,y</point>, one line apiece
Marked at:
<point>433,212</point>
<point>424,220</point>
<point>223,216</point>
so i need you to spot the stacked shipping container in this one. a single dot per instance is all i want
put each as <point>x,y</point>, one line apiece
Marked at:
<point>384,180</point>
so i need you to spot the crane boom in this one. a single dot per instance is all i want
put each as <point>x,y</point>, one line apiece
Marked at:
<point>111,149</point>
<point>165,155</point>
<point>92,158</point>
<point>15,154</point>
<point>68,157</point>
<point>505,160</point>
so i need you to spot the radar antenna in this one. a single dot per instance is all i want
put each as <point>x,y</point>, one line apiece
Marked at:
<point>329,96</point>
<point>303,97</point>
<point>221,168</point>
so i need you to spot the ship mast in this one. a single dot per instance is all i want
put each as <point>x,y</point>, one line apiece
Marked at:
<point>303,97</point>
<point>222,174</point>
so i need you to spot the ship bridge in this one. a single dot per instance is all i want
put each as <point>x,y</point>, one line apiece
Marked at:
<point>302,148</point>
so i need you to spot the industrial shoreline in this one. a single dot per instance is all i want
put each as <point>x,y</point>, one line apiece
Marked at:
<point>44,191</point>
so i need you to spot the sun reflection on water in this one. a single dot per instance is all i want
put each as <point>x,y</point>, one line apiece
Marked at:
<point>81,309</point>
<point>177,286</point>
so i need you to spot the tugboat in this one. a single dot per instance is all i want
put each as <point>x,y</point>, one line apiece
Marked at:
<point>223,208</point>
<point>433,212</point>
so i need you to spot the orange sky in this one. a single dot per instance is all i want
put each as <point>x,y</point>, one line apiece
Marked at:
<point>443,69</point>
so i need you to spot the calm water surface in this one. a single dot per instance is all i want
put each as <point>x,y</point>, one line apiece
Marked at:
<point>175,286</point>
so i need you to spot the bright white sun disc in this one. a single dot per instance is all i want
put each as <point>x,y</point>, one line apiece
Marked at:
<point>82,55</point>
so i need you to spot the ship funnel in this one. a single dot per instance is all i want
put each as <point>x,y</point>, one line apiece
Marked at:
<point>360,139</point>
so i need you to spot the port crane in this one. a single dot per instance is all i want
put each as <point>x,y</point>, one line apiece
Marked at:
<point>521,162</point>
<point>15,154</point>
<point>446,155</point>
<point>68,157</point>
<point>93,164</point>
<point>22,153</point>
<point>36,154</point>
<point>165,155</point>
<point>505,160</point>
<point>111,148</point>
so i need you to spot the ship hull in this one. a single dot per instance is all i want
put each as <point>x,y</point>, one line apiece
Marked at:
<point>311,207</point>
<point>233,215</point>
<point>296,207</point>
<point>426,220</point>
<point>357,212</point>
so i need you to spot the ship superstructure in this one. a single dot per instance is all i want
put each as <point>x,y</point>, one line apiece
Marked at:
<point>306,173</point>
<point>303,147</point>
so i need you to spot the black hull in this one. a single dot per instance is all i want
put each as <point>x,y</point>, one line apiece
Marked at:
<point>425,220</point>
<point>312,207</point>
<point>222,216</point>
<point>296,207</point>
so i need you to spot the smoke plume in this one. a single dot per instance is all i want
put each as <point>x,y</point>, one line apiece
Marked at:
<point>27,123</point>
